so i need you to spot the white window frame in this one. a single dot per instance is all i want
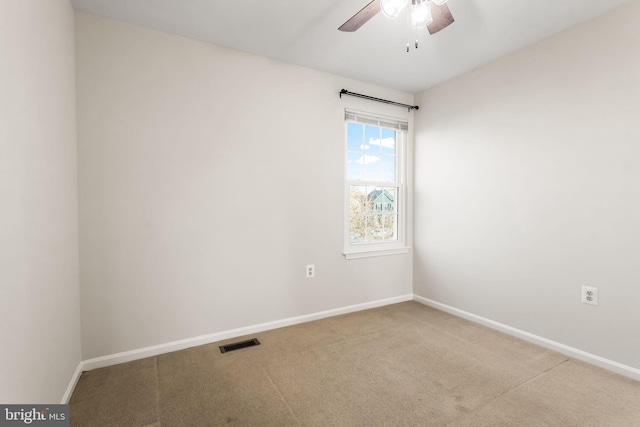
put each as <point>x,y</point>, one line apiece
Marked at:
<point>399,246</point>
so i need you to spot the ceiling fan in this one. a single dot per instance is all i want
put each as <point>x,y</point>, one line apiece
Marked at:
<point>432,14</point>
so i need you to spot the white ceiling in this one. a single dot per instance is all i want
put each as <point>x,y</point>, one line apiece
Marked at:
<point>305,32</point>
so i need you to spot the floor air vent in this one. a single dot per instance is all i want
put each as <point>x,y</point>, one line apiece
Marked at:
<point>238,345</point>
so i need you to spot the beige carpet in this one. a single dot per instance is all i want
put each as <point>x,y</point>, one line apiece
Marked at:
<point>400,365</point>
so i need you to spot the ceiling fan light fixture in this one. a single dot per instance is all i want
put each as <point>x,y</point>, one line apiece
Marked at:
<point>420,15</point>
<point>439,2</point>
<point>392,8</point>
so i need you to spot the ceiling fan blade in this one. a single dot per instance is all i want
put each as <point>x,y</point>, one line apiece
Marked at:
<point>360,18</point>
<point>442,17</point>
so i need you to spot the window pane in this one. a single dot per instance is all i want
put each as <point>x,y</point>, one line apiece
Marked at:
<point>355,166</point>
<point>388,168</point>
<point>372,214</point>
<point>390,230</point>
<point>371,166</point>
<point>381,199</point>
<point>372,138</point>
<point>357,229</point>
<point>357,209</point>
<point>375,230</point>
<point>354,136</point>
<point>388,142</point>
<point>390,200</point>
<point>372,194</point>
<point>358,200</point>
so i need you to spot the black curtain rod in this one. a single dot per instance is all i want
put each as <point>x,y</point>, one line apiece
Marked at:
<point>371,98</point>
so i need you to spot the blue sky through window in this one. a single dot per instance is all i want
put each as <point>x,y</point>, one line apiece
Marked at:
<point>371,155</point>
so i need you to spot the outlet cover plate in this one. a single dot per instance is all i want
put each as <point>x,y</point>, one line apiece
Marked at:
<point>589,295</point>
<point>311,271</point>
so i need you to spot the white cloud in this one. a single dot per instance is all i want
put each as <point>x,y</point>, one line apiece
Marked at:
<point>367,160</point>
<point>385,142</point>
<point>365,147</point>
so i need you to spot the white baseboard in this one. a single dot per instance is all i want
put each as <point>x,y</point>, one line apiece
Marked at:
<point>593,359</point>
<point>127,356</point>
<point>72,384</point>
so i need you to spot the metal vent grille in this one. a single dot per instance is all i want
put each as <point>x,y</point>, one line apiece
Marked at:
<point>238,345</point>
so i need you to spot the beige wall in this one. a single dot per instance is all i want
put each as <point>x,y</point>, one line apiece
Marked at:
<point>39,294</point>
<point>209,178</point>
<point>527,187</point>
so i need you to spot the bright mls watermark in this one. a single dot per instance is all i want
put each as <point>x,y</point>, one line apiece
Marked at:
<point>35,415</point>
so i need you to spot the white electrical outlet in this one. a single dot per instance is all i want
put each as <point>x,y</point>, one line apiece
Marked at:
<point>589,295</point>
<point>311,271</point>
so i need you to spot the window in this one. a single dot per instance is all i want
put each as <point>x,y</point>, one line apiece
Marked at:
<point>375,188</point>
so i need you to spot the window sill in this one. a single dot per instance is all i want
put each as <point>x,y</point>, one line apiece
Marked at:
<point>355,254</point>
